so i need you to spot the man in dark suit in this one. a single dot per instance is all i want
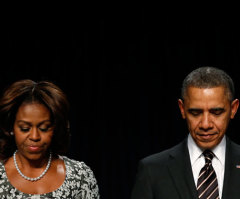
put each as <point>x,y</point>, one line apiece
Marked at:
<point>186,171</point>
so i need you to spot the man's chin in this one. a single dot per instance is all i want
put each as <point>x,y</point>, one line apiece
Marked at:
<point>207,144</point>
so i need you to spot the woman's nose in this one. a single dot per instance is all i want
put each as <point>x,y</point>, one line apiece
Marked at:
<point>34,134</point>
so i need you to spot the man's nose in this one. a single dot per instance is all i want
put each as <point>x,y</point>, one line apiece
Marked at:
<point>206,122</point>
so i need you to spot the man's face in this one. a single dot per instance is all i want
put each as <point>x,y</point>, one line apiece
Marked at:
<point>207,112</point>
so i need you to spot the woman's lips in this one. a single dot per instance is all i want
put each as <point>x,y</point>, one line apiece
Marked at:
<point>34,148</point>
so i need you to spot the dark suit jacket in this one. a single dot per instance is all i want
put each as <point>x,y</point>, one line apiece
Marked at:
<point>168,175</point>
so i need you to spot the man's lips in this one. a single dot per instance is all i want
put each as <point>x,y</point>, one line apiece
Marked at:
<point>206,136</point>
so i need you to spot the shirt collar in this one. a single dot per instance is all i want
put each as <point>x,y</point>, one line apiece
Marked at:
<point>195,152</point>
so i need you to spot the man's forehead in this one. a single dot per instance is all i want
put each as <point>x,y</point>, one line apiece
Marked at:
<point>195,92</point>
<point>210,109</point>
<point>206,98</point>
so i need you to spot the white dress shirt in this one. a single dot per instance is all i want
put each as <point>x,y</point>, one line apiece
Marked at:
<point>198,161</point>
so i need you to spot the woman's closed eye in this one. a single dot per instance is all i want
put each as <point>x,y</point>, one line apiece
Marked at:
<point>24,129</point>
<point>45,128</point>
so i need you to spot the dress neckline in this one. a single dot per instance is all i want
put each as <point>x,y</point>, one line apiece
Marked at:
<point>38,195</point>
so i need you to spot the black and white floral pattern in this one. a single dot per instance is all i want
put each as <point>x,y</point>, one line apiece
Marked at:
<point>79,183</point>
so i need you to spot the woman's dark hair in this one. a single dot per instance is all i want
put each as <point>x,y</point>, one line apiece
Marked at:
<point>28,91</point>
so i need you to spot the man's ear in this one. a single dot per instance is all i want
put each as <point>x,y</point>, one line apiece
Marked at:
<point>234,107</point>
<point>181,107</point>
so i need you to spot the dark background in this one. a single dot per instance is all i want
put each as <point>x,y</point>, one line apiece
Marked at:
<point>121,67</point>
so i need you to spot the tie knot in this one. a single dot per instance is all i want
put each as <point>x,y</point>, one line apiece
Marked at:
<point>208,155</point>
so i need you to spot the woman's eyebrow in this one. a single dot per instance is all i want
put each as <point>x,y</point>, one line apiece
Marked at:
<point>29,123</point>
<point>23,121</point>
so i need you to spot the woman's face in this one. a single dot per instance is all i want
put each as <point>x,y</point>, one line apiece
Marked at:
<point>33,131</point>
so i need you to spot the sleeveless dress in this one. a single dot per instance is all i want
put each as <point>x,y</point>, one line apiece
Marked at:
<point>79,183</point>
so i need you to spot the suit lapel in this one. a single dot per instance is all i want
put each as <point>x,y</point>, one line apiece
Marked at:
<point>232,172</point>
<point>181,172</point>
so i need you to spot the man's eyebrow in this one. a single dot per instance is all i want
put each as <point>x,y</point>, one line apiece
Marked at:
<point>217,108</point>
<point>194,109</point>
<point>212,110</point>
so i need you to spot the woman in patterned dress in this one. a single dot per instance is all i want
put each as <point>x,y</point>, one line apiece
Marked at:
<point>34,135</point>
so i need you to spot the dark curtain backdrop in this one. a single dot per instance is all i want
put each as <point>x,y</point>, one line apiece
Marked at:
<point>121,68</point>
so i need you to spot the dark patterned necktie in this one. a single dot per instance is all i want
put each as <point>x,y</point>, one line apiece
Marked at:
<point>207,185</point>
